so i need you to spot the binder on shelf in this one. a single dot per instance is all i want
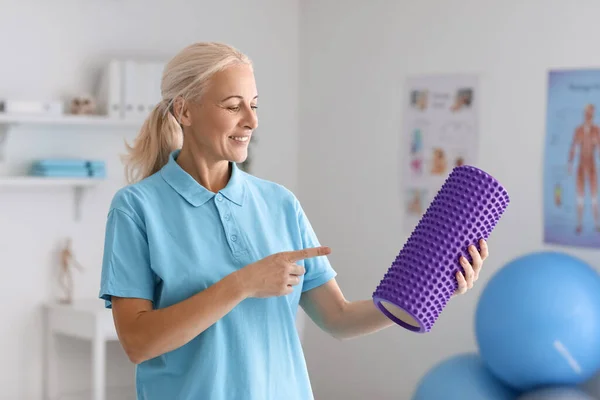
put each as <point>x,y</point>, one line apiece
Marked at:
<point>109,92</point>
<point>148,77</point>
<point>130,92</point>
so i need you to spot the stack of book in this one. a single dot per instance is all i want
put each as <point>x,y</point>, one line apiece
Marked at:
<point>68,168</point>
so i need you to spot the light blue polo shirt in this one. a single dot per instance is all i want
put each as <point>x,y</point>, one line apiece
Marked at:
<point>168,238</point>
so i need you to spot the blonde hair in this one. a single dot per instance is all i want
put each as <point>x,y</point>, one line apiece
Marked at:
<point>186,76</point>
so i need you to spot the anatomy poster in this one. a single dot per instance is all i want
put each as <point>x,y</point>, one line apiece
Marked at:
<point>571,215</point>
<point>440,132</point>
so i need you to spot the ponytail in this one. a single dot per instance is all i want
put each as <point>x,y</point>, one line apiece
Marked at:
<point>158,137</point>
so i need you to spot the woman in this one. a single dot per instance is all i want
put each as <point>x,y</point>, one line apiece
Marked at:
<point>205,265</point>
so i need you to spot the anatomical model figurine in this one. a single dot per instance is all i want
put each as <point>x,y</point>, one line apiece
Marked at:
<point>66,279</point>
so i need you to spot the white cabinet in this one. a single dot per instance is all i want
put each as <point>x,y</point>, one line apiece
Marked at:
<point>83,319</point>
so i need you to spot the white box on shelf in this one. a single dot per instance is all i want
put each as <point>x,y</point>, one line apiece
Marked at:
<point>31,107</point>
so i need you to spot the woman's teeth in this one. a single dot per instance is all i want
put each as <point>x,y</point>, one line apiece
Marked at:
<point>239,138</point>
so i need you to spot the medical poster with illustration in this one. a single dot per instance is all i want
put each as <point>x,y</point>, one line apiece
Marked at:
<point>440,131</point>
<point>571,160</point>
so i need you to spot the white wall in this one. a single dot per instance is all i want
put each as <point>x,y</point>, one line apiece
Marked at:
<point>53,49</point>
<point>354,61</point>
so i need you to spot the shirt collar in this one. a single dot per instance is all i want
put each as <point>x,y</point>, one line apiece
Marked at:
<point>195,193</point>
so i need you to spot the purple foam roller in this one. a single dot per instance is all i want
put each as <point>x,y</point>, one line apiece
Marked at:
<point>422,278</point>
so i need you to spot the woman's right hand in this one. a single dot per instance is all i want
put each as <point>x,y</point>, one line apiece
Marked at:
<point>277,274</point>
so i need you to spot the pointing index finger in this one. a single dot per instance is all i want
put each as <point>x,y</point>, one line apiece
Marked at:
<point>310,252</point>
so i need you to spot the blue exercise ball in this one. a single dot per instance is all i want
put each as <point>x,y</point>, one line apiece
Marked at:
<point>537,322</point>
<point>461,377</point>
<point>556,393</point>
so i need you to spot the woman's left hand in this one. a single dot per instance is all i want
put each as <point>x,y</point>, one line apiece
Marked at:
<point>471,271</point>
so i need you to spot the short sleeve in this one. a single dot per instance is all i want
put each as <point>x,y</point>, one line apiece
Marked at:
<point>318,269</point>
<point>126,270</point>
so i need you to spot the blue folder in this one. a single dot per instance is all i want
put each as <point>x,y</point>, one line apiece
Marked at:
<point>69,168</point>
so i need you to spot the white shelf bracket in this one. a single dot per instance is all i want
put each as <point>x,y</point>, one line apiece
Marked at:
<point>77,198</point>
<point>3,141</point>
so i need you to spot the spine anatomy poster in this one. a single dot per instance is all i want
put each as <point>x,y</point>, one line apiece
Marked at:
<point>440,132</point>
<point>571,209</point>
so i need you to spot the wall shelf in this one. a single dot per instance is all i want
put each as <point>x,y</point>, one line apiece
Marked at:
<point>79,186</point>
<point>34,181</point>
<point>67,120</point>
<point>7,121</point>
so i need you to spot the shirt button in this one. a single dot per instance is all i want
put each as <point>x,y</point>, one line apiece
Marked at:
<point>219,197</point>
<point>233,238</point>
<point>226,217</point>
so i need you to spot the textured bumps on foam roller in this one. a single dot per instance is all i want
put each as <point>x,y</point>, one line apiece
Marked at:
<point>422,278</point>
